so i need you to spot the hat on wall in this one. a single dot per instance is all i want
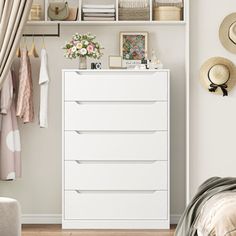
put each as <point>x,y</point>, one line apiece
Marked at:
<point>227,32</point>
<point>218,75</point>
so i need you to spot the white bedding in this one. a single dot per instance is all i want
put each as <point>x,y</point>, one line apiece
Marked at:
<point>199,233</point>
<point>218,216</point>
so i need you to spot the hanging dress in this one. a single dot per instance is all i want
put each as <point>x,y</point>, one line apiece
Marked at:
<point>25,109</point>
<point>10,147</point>
<point>43,82</point>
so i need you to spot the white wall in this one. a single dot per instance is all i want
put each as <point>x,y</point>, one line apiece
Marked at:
<point>212,118</point>
<point>39,190</point>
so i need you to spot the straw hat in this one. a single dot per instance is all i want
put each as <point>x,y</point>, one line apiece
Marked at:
<point>218,75</point>
<point>227,32</point>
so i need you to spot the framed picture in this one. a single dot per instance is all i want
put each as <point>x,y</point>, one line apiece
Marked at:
<point>115,62</point>
<point>133,46</point>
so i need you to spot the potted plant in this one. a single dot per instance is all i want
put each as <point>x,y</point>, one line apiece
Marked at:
<point>83,46</point>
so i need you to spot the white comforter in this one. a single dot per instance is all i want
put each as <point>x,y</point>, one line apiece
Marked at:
<point>218,216</point>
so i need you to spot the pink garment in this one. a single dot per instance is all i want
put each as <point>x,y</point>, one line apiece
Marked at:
<point>10,161</point>
<point>25,109</point>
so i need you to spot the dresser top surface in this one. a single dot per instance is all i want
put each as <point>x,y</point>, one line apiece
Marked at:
<point>114,70</point>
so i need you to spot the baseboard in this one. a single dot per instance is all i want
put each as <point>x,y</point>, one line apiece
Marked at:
<point>174,219</point>
<point>41,219</point>
<point>56,219</point>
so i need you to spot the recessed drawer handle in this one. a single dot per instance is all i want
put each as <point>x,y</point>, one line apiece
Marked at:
<point>77,102</point>
<point>133,162</point>
<point>117,131</point>
<point>117,191</point>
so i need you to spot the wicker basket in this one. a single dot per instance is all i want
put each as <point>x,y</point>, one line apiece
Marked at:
<point>134,14</point>
<point>35,12</point>
<point>167,13</point>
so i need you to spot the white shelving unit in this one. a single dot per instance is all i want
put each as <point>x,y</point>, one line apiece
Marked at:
<point>106,23</point>
<point>79,21</point>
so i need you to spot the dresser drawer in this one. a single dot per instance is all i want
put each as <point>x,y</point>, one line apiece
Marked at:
<point>116,176</point>
<point>116,206</point>
<point>104,86</point>
<point>116,146</point>
<point>116,117</point>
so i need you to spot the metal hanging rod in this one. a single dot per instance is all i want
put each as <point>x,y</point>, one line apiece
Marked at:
<point>46,35</point>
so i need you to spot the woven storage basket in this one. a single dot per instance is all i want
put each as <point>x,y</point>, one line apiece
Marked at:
<point>134,14</point>
<point>35,12</point>
<point>167,13</point>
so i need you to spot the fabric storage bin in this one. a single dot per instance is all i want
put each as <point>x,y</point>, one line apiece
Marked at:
<point>167,13</point>
<point>134,14</point>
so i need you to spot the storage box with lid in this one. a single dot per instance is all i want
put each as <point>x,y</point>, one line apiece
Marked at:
<point>167,13</point>
<point>168,10</point>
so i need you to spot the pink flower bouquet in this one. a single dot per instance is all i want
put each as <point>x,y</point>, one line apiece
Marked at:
<point>83,45</point>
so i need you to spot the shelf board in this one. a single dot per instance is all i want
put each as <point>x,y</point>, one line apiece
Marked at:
<point>43,23</point>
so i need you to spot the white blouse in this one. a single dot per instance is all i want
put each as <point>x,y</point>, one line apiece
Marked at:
<point>43,82</point>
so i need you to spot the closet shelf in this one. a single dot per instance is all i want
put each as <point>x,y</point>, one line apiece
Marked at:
<point>120,15</point>
<point>43,23</point>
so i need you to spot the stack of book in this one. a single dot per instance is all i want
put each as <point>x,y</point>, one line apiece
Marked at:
<point>99,12</point>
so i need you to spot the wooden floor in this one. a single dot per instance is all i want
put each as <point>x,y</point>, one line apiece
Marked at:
<point>55,230</point>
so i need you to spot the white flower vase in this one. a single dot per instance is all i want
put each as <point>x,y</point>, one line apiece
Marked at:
<point>83,63</point>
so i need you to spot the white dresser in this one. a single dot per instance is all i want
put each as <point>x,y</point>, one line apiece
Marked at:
<point>115,149</point>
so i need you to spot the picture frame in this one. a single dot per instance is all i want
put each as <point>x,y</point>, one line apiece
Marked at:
<point>133,47</point>
<point>115,62</point>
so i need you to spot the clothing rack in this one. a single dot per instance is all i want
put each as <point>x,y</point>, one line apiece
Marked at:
<point>46,35</point>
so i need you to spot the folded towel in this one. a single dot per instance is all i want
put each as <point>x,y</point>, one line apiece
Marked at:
<point>111,6</point>
<point>100,14</point>
<point>89,18</point>
<point>94,10</point>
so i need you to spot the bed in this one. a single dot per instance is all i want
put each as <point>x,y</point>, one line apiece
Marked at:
<point>212,212</point>
<point>218,216</point>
